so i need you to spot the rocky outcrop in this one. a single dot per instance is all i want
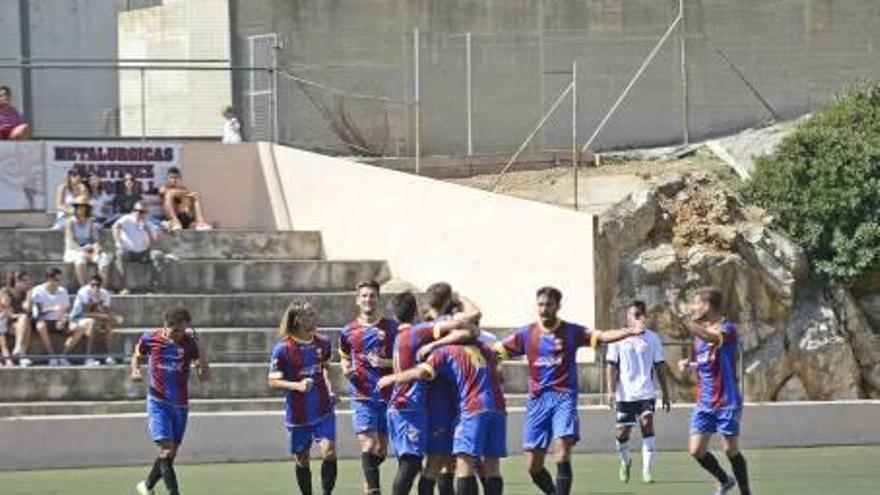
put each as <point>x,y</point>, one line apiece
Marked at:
<point>801,339</point>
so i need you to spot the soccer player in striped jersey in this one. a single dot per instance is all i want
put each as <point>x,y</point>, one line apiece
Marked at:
<point>481,429</point>
<point>631,365</point>
<point>550,345</point>
<point>719,403</point>
<point>365,349</point>
<point>169,351</point>
<point>407,410</point>
<point>299,367</point>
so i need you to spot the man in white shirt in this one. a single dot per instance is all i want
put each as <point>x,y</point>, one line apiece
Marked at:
<point>231,127</point>
<point>134,239</point>
<point>50,304</point>
<point>631,364</point>
<point>91,313</point>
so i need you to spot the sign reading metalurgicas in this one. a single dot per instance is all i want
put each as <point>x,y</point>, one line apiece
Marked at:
<point>147,162</point>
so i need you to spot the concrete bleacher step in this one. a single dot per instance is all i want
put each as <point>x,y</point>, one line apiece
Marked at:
<point>51,408</point>
<point>48,245</point>
<point>228,380</point>
<point>216,276</point>
<point>234,344</point>
<point>233,310</point>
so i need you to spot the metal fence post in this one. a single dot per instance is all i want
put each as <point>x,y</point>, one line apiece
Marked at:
<point>470,100</point>
<point>143,105</point>
<point>682,34</point>
<point>416,101</point>
<point>274,96</point>
<point>574,134</point>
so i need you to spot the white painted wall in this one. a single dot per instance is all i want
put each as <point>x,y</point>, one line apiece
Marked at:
<point>494,248</point>
<point>796,424</point>
<point>178,103</point>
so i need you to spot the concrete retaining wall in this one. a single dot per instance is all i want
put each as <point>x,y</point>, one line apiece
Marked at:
<point>494,248</point>
<point>72,441</point>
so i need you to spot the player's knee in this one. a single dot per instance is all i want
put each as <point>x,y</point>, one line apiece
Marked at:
<point>301,459</point>
<point>623,435</point>
<point>534,464</point>
<point>328,452</point>
<point>697,451</point>
<point>731,450</point>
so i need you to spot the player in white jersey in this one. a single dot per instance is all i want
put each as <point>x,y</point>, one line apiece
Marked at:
<point>631,364</point>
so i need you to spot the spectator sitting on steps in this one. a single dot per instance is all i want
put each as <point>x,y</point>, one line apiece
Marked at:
<point>134,239</point>
<point>65,196</point>
<point>51,305</point>
<point>181,207</point>
<point>12,124</point>
<point>100,200</point>
<point>6,318</point>
<point>124,201</point>
<point>82,244</point>
<point>91,314</point>
<point>18,289</point>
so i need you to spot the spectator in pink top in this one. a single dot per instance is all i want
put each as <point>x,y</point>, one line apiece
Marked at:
<point>12,124</point>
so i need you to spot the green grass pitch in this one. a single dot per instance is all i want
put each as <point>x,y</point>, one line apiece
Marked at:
<point>814,471</point>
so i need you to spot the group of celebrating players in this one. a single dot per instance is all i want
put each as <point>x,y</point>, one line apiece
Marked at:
<point>430,382</point>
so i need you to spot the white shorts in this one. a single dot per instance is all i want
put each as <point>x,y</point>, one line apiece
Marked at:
<point>79,258</point>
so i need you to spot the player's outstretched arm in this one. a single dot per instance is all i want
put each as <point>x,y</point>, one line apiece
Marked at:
<point>456,336</point>
<point>303,385</point>
<point>610,336</point>
<point>704,331</point>
<point>403,377</point>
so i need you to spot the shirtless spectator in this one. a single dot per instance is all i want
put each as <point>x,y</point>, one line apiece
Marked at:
<point>12,124</point>
<point>181,207</point>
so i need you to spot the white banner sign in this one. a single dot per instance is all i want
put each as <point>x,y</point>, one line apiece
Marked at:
<point>148,162</point>
<point>22,176</point>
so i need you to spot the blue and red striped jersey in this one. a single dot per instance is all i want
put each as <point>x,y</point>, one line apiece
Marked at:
<point>473,369</point>
<point>717,385</point>
<point>550,353</point>
<point>168,364</point>
<point>409,340</point>
<point>370,349</point>
<point>294,360</point>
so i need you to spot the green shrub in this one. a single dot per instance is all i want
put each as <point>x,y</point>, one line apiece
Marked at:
<point>822,185</point>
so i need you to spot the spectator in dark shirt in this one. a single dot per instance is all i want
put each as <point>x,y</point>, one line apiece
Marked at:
<point>130,195</point>
<point>12,124</point>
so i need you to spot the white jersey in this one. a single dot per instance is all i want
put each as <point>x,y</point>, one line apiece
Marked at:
<point>635,357</point>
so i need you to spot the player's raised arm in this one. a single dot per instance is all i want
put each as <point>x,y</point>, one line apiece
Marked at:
<point>452,333</point>
<point>470,312</point>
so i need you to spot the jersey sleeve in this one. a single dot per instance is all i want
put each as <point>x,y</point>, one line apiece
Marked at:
<point>277,363</point>
<point>585,337</point>
<point>659,354</point>
<point>435,363</point>
<point>728,334</point>
<point>344,345</point>
<point>513,345</point>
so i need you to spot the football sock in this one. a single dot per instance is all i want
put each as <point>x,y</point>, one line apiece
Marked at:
<point>544,481</point>
<point>740,471</point>
<point>426,485</point>
<point>446,484</point>
<point>370,463</point>
<point>623,450</point>
<point>467,486</point>
<point>155,474</point>
<point>493,486</point>
<point>648,446</point>
<point>563,478</point>
<point>304,480</point>
<point>710,463</point>
<point>328,476</point>
<point>166,466</point>
<point>408,468</point>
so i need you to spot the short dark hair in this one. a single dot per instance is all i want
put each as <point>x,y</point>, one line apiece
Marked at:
<point>439,297</point>
<point>372,284</point>
<point>14,277</point>
<point>6,89</point>
<point>710,295</point>
<point>404,307</point>
<point>290,319</point>
<point>97,278</point>
<point>639,306</point>
<point>550,292</point>
<point>53,272</point>
<point>177,316</point>
<point>174,170</point>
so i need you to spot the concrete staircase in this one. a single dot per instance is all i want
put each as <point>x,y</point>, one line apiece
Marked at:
<point>236,285</point>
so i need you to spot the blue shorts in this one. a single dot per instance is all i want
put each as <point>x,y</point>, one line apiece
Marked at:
<point>167,422</point>
<point>369,416</point>
<point>549,416</point>
<point>481,434</point>
<point>723,421</point>
<point>408,431</point>
<point>442,418</point>
<point>302,437</point>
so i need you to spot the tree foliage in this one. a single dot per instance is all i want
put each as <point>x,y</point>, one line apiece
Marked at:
<point>822,185</point>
